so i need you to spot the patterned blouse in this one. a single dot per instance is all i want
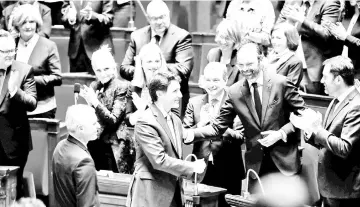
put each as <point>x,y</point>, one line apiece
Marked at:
<point>111,115</point>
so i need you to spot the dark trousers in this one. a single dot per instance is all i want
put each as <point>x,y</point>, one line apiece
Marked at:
<point>48,115</point>
<point>332,202</point>
<point>19,161</point>
<point>102,155</point>
<point>176,202</point>
<point>81,63</point>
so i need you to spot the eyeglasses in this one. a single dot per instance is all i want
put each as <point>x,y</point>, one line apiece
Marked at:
<point>8,52</point>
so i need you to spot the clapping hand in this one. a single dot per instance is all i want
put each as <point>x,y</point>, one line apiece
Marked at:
<point>338,31</point>
<point>86,12</point>
<point>293,13</point>
<point>139,103</point>
<point>308,120</point>
<point>90,96</point>
<point>271,137</point>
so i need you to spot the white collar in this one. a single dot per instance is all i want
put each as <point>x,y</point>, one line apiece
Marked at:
<point>31,41</point>
<point>162,110</point>
<point>219,98</point>
<point>259,80</point>
<point>345,94</point>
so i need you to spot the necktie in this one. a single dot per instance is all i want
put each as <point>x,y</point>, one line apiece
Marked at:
<point>213,106</point>
<point>157,39</point>
<point>257,100</point>
<point>332,110</point>
<point>171,127</point>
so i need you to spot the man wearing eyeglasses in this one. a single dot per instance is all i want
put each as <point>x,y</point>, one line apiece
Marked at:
<point>175,43</point>
<point>263,101</point>
<point>17,96</point>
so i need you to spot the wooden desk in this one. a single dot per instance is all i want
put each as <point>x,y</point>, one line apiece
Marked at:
<point>209,195</point>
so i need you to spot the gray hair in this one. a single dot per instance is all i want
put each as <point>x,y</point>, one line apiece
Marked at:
<point>76,115</point>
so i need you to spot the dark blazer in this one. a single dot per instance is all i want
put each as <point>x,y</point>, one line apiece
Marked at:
<point>74,175</point>
<point>317,42</point>
<point>176,48</point>
<point>45,61</point>
<point>45,13</point>
<point>92,33</point>
<point>279,98</point>
<point>292,69</point>
<point>15,137</point>
<point>225,152</point>
<point>352,41</point>
<point>159,167</point>
<point>233,73</point>
<point>339,164</point>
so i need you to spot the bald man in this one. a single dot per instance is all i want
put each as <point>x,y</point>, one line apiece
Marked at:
<point>175,44</point>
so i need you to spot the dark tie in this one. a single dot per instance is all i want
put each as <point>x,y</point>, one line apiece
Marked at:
<point>307,6</point>
<point>257,99</point>
<point>157,39</point>
<point>332,110</point>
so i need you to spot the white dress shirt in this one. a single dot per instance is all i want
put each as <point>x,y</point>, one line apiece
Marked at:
<point>26,48</point>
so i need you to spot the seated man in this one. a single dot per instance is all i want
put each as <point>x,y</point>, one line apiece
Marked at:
<point>75,181</point>
<point>175,44</point>
<point>159,168</point>
<point>223,153</point>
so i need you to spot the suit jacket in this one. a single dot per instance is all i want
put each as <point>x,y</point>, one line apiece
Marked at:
<point>292,69</point>
<point>15,137</point>
<point>352,41</point>
<point>317,42</point>
<point>225,152</point>
<point>175,46</point>
<point>45,13</point>
<point>158,167</point>
<point>92,33</point>
<point>45,61</point>
<point>75,180</point>
<point>339,165</point>
<point>279,98</point>
<point>233,73</point>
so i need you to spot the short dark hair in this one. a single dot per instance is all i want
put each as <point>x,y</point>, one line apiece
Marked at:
<point>160,82</point>
<point>342,66</point>
<point>291,34</point>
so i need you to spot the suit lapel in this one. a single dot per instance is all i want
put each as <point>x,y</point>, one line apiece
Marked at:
<point>161,119</point>
<point>167,36</point>
<point>178,138</point>
<point>4,90</point>
<point>37,51</point>
<point>340,107</point>
<point>245,89</point>
<point>265,97</point>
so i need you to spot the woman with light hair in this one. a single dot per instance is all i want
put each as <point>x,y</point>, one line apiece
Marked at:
<point>228,39</point>
<point>149,62</point>
<point>42,54</point>
<point>108,96</point>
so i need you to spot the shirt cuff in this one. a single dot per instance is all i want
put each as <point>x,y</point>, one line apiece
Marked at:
<point>284,135</point>
<point>12,93</point>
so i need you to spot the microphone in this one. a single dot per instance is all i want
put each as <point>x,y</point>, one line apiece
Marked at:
<point>76,92</point>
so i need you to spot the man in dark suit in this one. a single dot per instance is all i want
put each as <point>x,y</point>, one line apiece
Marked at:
<point>159,168</point>
<point>271,140</point>
<point>17,95</point>
<point>311,18</point>
<point>221,153</point>
<point>74,173</point>
<point>89,23</point>
<point>175,44</point>
<point>337,136</point>
<point>45,12</point>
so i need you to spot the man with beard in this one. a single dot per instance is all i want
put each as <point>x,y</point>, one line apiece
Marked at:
<point>263,101</point>
<point>175,44</point>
